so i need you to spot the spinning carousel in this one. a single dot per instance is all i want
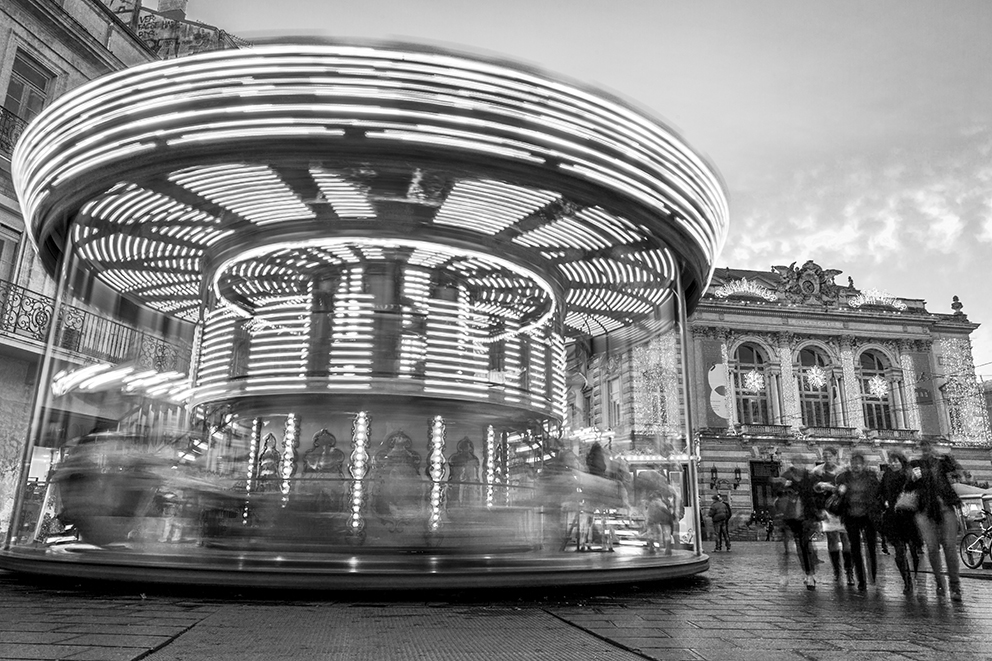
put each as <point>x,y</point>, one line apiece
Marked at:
<point>344,280</point>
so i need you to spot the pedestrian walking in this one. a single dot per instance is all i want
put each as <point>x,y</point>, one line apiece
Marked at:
<point>720,515</point>
<point>801,515</point>
<point>935,517</point>
<point>660,506</point>
<point>838,545</point>
<point>859,491</point>
<point>899,522</point>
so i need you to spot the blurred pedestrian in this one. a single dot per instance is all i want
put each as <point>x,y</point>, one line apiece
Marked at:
<point>838,545</point>
<point>935,517</point>
<point>660,506</point>
<point>899,523</point>
<point>596,460</point>
<point>859,490</point>
<point>801,515</point>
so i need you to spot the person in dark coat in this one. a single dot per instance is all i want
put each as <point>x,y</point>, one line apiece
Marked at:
<point>720,514</point>
<point>859,490</point>
<point>935,517</point>
<point>900,525</point>
<point>596,460</point>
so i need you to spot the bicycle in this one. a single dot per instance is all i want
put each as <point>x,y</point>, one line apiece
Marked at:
<point>975,546</point>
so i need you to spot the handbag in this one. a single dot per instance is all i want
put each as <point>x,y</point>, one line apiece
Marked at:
<point>908,501</point>
<point>834,504</point>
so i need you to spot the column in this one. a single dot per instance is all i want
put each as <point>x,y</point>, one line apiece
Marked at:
<point>909,395</point>
<point>729,394</point>
<point>788,387</point>
<point>896,399</point>
<point>851,393</point>
<point>774,396</point>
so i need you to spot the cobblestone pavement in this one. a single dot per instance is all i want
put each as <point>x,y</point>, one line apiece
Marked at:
<point>738,610</point>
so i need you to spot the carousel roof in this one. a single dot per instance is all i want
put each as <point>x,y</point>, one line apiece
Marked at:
<point>252,172</point>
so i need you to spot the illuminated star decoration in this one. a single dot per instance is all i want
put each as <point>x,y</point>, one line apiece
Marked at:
<point>754,381</point>
<point>816,377</point>
<point>878,386</point>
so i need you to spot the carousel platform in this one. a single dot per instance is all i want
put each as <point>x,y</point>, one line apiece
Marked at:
<point>193,565</point>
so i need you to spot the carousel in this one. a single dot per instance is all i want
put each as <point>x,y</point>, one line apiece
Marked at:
<point>343,285</point>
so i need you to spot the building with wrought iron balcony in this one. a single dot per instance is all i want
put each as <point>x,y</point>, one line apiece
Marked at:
<point>48,49</point>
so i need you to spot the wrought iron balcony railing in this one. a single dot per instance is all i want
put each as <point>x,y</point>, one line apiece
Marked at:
<point>11,127</point>
<point>763,430</point>
<point>832,432</point>
<point>894,434</point>
<point>29,315</point>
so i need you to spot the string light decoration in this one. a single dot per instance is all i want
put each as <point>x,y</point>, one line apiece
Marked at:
<point>969,419</point>
<point>253,445</point>
<point>876,297</point>
<point>744,287</point>
<point>290,442</point>
<point>358,467</point>
<point>490,464</point>
<point>436,470</point>
<point>878,386</point>
<point>754,381</point>
<point>657,375</point>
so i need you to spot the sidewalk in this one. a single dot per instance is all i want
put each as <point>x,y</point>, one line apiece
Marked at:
<point>739,610</point>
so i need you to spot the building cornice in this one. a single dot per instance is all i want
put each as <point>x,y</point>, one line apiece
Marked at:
<point>757,307</point>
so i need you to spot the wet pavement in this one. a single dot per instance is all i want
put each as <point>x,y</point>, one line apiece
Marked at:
<point>742,608</point>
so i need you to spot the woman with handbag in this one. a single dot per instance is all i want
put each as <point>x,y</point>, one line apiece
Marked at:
<point>898,517</point>
<point>838,545</point>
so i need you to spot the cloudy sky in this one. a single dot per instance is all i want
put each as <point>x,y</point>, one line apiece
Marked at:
<point>856,134</point>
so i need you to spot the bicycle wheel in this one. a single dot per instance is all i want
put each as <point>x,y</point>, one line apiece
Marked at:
<point>972,550</point>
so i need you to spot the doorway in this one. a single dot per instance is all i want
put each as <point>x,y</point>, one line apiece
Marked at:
<point>762,486</point>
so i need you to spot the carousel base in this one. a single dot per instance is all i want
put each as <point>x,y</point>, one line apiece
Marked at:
<point>301,571</point>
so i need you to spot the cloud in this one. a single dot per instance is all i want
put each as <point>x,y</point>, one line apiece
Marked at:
<point>985,235</point>
<point>925,202</point>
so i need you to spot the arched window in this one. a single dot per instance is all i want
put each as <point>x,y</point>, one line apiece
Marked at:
<point>815,388</point>
<point>751,385</point>
<point>875,391</point>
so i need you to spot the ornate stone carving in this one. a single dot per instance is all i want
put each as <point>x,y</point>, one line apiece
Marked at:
<point>704,332</point>
<point>786,339</point>
<point>809,284</point>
